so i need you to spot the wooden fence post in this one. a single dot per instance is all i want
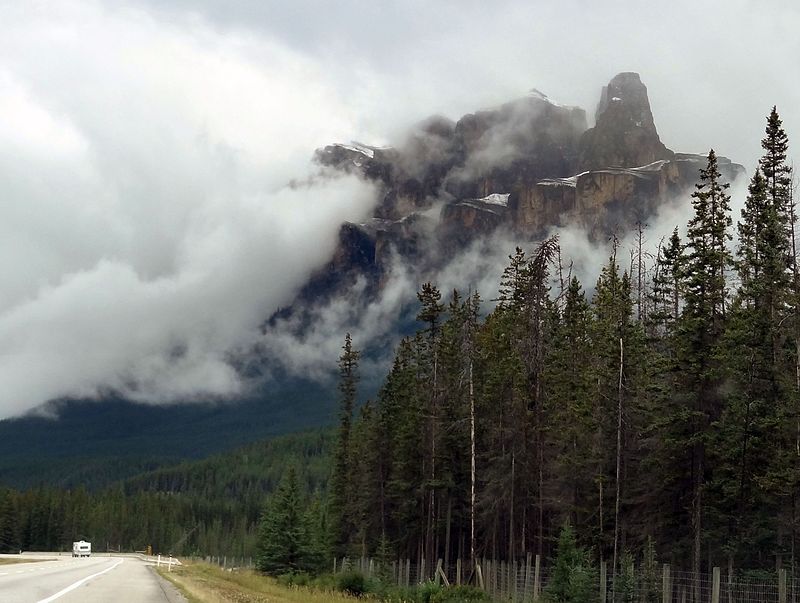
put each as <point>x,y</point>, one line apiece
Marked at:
<point>730,581</point>
<point>781,586</point>
<point>515,581</point>
<point>440,573</point>
<point>666,585</point>
<point>537,577</point>
<point>527,583</point>
<point>715,586</point>
<point>458,572</point>
<point>603,582</point>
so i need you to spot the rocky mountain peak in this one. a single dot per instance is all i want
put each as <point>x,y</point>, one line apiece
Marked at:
<point>624,134</point>
<point>626,89</point>
<point>523,168</point>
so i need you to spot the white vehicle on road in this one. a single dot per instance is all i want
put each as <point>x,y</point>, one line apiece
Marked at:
<point>81,549</point>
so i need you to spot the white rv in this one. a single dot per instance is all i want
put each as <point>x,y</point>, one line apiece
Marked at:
<point>81,549</point>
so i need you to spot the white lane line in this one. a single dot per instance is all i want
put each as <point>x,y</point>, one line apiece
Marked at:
<point>72,587</point>
<point>3,574</point>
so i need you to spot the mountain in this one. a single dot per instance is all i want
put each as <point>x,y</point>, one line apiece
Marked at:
<point>522,169</point>
<point>525,167</point>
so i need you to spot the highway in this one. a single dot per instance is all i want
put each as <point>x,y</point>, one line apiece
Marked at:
<point>97,579</point>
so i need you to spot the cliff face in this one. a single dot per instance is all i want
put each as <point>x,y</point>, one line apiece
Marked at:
<point>525,167</point>
<point>625,134</point>
<point>611,199</point>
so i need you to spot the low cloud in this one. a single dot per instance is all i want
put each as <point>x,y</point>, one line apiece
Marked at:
<point>149,224</point>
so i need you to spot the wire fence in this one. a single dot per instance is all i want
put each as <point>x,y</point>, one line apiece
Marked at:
<point>226,562</point>
<point>527,581</point>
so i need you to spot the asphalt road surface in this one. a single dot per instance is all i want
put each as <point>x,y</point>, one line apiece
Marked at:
<point>97,579</point>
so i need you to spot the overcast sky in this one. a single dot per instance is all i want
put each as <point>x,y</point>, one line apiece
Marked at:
<point>146,226</point>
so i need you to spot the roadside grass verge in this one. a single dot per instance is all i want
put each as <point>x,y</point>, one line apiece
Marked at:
<point>9,561</point>
<point>203,583</point>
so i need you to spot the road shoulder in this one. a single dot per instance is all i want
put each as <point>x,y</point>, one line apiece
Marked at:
<point>171,591</point>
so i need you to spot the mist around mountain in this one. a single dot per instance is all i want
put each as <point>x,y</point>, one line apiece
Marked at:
<point>453,200</point>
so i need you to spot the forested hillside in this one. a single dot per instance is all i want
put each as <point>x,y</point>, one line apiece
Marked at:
<point>208,507</point>
<point>662,405</point>
<point>95,445</point>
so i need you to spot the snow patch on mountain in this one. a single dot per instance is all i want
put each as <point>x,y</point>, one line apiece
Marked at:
<point>496,199</point>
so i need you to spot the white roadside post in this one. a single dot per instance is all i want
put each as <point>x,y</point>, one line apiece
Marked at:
<point>169,567</point>
<point>158,563</point>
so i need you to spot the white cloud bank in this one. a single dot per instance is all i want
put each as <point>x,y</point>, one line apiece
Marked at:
<point>146,228</point>
<point>146,223</point>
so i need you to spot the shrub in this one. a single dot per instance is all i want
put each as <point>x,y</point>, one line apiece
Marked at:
<point>427,590</point>
<point>459,594</point>
<point>294,579</point>
<point>325,582</point>
<point>625,581</point>
<point>574,576</point>
<point>353,583</point>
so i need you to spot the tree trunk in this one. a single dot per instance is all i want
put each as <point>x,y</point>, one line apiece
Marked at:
<point>472,466</point>
<point>618,471</point>
<point>511,512</point>
<point>697,513</point>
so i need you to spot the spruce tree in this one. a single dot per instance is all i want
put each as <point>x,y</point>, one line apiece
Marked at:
<point>702,326</point>
<point>283,540</point>
<point>8,523</point>
<point>665,297</point>
<point>783,476</point>
<point>430,313</point>
<point>341,486</point>
<point>569,381</point>
<point>574,577</point>
<point>401,408</point>
<point>777,172</point>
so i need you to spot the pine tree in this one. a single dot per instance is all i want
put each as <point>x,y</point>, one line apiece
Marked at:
<point>665,297</point>
<point>777,172</point>
<point>702,326</point>
<point>8,523</point>
<point>569,382</point>
<point>430,314</point>
<point>784,473</point>
<point>573,579</point>
<point>341,487</point>
<point>283,540</point>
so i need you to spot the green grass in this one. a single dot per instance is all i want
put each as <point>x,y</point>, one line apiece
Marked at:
<point>203,583</point>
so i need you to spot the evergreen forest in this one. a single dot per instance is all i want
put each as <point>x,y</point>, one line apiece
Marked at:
<point>656,408</point>
<point>658,404</point>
